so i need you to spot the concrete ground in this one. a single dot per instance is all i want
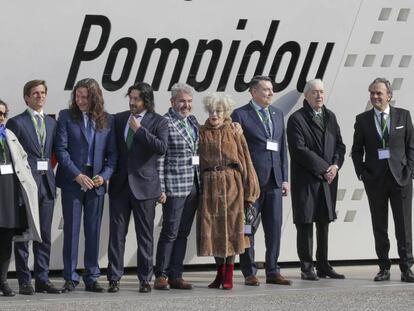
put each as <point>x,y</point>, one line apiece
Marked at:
<point>356,292</point>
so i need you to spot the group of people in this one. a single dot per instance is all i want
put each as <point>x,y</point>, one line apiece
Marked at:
<point>236,162</point>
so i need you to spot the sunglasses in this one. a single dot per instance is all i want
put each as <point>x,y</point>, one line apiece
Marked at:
<point>3,114</point>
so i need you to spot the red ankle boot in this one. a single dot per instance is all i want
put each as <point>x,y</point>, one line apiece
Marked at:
<point>219,277</point>
<point>228,277</point>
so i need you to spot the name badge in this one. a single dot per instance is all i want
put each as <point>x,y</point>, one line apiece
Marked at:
<point>272,145</point>
<point>195,160</point>
<point>384,153</point>
<point>6,169</point>
<point>247,229</point>
<point>42,165</point>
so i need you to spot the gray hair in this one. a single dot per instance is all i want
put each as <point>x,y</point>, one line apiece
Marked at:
<point>213,101</point>
<point>181,88</point>
<point>310,84</point>
<point>386,83</point>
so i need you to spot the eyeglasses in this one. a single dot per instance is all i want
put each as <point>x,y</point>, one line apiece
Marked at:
<point>216,112</point>
<point>3,114</point>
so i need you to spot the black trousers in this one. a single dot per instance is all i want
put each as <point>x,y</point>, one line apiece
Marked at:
<point>380,192</point>
<point>304,244</point>
<point>6,244</point>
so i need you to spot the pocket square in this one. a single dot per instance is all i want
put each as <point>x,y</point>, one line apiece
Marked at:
<point>399,127</point>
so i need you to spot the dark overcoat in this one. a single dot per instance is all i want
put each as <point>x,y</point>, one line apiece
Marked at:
<point>312,150</point>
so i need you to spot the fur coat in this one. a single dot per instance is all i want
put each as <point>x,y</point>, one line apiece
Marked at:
<point>225,191</point>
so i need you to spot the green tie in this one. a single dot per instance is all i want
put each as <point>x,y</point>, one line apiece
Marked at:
<point>318,118</point>
<point>130,138</point>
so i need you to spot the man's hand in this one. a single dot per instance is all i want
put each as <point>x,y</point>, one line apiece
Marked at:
<point>236,127</point>
<point>285,188</point>
<point>84,181</point>
<point>330,173</point>
<point>134,124</point>
<point>98,181</point>
<point>163,198</point>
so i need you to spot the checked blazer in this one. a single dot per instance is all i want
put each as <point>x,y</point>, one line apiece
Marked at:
<point>175,168</point>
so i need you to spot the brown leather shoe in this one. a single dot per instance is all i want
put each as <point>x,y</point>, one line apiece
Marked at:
<point>277,279</point>
<point>251,280</point>
<point>179,283</point>
<point>161,283</point>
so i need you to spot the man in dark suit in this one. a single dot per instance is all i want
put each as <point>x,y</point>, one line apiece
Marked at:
<point>316,155</point>
<point>383,156</point>
<point>180,182</point>
<point>142,137</point>
<point>35,132</point>
<point>263,127</point>
<point>86,153</point>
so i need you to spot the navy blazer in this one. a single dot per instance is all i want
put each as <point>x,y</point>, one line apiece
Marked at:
<point>22,125</point>
<point>72,151</point>
<point>137,167</point>
<point>265,162</point>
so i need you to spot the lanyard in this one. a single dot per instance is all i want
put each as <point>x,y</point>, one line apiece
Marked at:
<point>41,133</point>
<point>266,123</point>
<point>384,129</point>
<point>190,130</point>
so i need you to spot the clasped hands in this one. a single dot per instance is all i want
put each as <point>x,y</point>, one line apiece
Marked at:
<point>88,183</point>
<point>330,173</point>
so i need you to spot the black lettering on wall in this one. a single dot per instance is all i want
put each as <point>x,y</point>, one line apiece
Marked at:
<point>303,76</point>
<point>166,46</point>
<point>215,46</point>
<point>124,43</point>
<point>80,53</point>
<point>240,84</point>
<point>293,48</point>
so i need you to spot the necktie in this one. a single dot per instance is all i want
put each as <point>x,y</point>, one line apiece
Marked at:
<point>90,132</point>
<point>319,120</point>
<point>384,129</point>
<point>130,138</point>
<point>265,120</point>
<point>40,129</point>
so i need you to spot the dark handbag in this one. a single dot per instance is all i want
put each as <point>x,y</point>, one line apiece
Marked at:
<point>251,219</point>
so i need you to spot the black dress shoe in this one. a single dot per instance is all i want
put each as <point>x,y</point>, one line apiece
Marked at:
<point>309,275</point>
<point>382,275</point>
<point>144,287</point>
<point>329,273</point>
<point>5,288</point>
<point>94,287</point>
<point>113,287</point>
<point>69,286</point>
<point>26,289</point>
<point>46,287</point>
<point>407,276</point>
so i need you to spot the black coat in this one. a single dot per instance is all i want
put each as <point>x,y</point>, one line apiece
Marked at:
<point>312,150</point>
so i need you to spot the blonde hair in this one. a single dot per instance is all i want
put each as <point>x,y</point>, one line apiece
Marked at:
<point>213,101</point>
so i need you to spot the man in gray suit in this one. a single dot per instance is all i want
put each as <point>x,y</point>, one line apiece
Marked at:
<point>179,176</point>
<point>383,155</point>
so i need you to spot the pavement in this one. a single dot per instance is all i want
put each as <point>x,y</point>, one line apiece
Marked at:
<point>357,292</point>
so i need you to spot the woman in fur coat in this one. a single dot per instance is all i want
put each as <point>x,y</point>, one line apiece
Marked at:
<point>229,183</point>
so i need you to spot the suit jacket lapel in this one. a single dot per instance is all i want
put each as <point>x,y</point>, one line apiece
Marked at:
<point>124,117</point>
<point>274,122</point>
<point>49,133</point>
<point>180,129</point>
<point>255,118</point>
<point>394,117</point>
<point>31,131</point>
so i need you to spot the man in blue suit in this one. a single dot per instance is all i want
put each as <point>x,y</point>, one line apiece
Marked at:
<point>141,137</point>
<point>263,127</point>
<point>86,152</point>
<point>35,132</point>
